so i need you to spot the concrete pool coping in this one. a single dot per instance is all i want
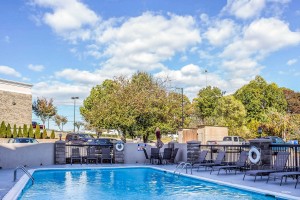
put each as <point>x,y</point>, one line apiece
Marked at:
<point>10,190</point>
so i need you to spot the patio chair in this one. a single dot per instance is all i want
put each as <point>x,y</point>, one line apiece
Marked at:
<point>217,162</point>
<point>174,153</point>
<point>278,166</point>
<point>201,158</point>
<point>155,155</point>
<point>146,156</point>
<point>281,175</point>
<point>75,155</point>
<point>91,155</point>
<point>241,163</point>
<point>105,155</point>
<point>167,155</point>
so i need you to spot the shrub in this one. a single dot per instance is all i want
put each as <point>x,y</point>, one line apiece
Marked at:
<point>37,132</point>
<point>52,136</point>
<point>30,132</point>
<point>2,129</point>
<point>8,131</point>
<point>44,134</point>
<point>20,133</point>
<point>15,133</point>
<point>25,131</point>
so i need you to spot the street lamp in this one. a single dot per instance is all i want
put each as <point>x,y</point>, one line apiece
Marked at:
<point>74,98</point>
<point>182,118</point>
<point>259,130</point>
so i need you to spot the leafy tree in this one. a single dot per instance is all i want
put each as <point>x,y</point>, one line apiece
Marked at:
<point>30,132</point>
<point>78,125</point>
<point>2,129</point>
<point>293,101</point>
<point>25,131</point>
<point>52,136</point>
<point>258,96</point>
<point>44,136</point>
<point>8,131</point>
<point>20,133</point>
<point>37,132</point>
<point>44,109</point>
<point>207,101</point>
<point>15,133</point>
<point>60,121</point>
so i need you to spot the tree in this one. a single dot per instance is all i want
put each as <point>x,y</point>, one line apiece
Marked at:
<point>15,133</point>
<point>78,125</point>
<point>258,96</point>
<point>52,136</point>
<point>20,133</point>
<point>2,130</point>
<point>45,136</point>
<point>25,131</point>
<point>44,109</point>
<point>8,131</point>
<point>64,120</point>
<point>293,101</point>
<point>206,102</point>
<point>37,132</point>
<point>30,132</point>
<point>60,121</point>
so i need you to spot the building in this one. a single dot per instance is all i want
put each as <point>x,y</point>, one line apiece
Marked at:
<point>15,103</point>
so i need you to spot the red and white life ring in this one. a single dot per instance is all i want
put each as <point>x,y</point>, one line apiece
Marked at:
<point>254,155</point>
<point>119,146</point>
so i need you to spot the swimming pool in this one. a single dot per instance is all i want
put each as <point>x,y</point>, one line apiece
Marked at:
<point>126,183</point>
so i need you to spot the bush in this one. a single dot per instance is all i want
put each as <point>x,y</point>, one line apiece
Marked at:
<point>30,132</point>
<point>37,132</point>
<point>2,129</point>
<point>52,135</point>
<point>44,134</point>
<point>15,133</point>
<point>8,131</point>
<point>25,131</point>
<point>20,133</point>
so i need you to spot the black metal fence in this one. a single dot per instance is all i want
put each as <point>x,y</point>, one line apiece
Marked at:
<point>84,150</point>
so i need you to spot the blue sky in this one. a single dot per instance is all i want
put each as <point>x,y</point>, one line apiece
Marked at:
<point>64,48</point>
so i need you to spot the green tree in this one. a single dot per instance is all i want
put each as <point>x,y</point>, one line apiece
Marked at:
<point>45,136</point>
<point>60,121</point>
<point>37,132</point>
<point>30,132</point>
<point>25,131</point>
<point>78,125</point>
<point>15,132</point>
<point>44,109</point>
<point>8,131</point>
<point>20,133</point>
<point>258,96</point>
<point>206,102</point>
<point>52,136</point>
<point>2,130</point>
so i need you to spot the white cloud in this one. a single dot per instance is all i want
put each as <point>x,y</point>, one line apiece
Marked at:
<point>144,42</point>
<point>9,71</point>
<point>221,32</point>
<point>292,61</point>
<point>244,9</point>
<point>37,68</point>
<point>68,17</point>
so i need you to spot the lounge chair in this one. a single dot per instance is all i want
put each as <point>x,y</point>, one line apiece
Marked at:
<point>174,153</point>
<point>167,155</point>
<point>241,163</point>
<point>146,156</point>
<point>217,162</point>
<point>281,175</point>
<point>155,155</point>
<point>105,155</point>
<point>75,155</point>
<point>201,158</point>
<point>279,166</point>
<point>91,155</point>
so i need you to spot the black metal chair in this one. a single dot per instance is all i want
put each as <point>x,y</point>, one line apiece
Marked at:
<point>146,156</point>
<point>91,155</point>
<point>155,156</point>
<point>174,154</point>
<point>106,155</point>
<point>75,155</point>
<point>167,155</point>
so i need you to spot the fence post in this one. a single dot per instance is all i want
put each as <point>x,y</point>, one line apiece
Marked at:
<point>193,149</point>
<point>265,151</point>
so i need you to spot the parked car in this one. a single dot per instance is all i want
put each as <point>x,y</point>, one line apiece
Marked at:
<point>108,142</point>
<point>78,138</point>
<point>232,140</point>
<point>34,124</point>
<point>22,140</point>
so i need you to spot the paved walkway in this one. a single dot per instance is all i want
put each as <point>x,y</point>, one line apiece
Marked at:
<point>6,180</point>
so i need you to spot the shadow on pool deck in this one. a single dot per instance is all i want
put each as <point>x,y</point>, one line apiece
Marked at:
<point>6,180</point>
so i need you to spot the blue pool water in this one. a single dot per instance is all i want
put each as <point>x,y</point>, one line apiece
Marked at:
<point>126,183</point>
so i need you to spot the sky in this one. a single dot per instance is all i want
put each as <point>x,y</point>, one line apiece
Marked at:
<point>64,48</point>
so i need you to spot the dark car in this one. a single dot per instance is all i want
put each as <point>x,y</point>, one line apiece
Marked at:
<point>277,140</point>
<point>35,124</point>
<point>79,138</point>
<point>22,140</point>
<point>108,142</point>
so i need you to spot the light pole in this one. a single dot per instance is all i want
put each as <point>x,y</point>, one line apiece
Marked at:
<point>205,78</point>
<point>182,118</point>
<point>260,130</point>
<point>74,98</point>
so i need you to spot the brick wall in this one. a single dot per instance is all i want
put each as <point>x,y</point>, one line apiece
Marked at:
<point>15,108</point>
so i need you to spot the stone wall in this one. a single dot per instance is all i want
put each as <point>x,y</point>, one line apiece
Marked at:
<point>16,108</point>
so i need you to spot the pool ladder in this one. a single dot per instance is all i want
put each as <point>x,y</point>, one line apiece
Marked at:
<point>181,166</point>
<point>25,171</point>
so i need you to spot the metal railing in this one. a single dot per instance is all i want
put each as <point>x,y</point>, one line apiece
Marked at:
<point>25,171</point>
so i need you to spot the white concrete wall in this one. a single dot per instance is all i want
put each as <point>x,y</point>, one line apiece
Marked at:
<point>32,155</point>
<point>132,155</point>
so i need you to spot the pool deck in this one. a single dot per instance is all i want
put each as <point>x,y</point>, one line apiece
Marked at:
<point>286,190</point>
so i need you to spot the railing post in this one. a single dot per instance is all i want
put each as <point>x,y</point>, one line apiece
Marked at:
<point>296,158</point>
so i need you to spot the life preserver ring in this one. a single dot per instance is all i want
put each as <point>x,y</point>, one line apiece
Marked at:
<point>119,146</point>
<point>254,155</point>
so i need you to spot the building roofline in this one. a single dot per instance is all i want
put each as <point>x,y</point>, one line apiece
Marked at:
<point>15,83</point>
